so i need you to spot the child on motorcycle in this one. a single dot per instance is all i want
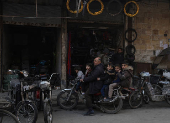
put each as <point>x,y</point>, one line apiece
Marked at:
<point>107,78</point>
<point>87,73</point>
<point>116,80</point>
<point>125,79</point>
<point>80,75</point>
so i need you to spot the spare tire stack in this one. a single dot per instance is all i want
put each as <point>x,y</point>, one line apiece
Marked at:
<point>130,49</point>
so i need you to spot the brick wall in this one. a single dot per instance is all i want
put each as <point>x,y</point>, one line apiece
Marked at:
<point>151,23</point>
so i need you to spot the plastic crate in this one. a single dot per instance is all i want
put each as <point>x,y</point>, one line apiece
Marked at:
<point>6,81</point>
<point>158,98</point>
<point>9,77</point>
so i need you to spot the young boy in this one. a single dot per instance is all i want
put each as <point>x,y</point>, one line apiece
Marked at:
<point>87,73</point>
<point>125,78</point>
<point>108,78</point>
<point>115,82</point>
<point>80,75</point>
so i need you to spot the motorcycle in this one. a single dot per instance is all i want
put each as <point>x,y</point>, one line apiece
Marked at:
<point>68,99</point>
<point>153,92</point>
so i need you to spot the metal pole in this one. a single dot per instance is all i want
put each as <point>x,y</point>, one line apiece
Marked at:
<point>1,31</point>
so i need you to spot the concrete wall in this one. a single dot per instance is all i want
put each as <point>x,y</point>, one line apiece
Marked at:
<point>58,52</point>
<point>151,23</point>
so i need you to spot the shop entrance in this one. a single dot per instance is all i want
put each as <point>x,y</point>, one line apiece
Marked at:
<point>90,41</point>
<point>26,47</point>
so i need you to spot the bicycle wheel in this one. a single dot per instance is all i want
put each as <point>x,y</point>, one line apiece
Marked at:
<point>48,116</point>
<point>157,89</point>
<point>7,117</point>
<point>26,112</point>
<point>135,99</point>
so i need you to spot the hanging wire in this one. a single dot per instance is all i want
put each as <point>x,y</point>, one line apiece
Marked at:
<point>36,9</point>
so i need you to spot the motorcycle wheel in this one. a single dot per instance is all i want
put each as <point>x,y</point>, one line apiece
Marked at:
<point>135,99</point>
<point>113,107</point>
<point>63,103</point>
<point>157,89</point>
<point>48,115</point>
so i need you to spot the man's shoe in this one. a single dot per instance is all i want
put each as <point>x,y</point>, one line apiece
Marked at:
<point>89,113</point>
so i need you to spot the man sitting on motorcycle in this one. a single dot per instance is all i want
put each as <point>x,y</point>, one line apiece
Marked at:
<point>94,84</point>
<point>125,79</point>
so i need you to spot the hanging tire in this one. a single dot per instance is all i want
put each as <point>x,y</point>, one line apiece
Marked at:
<point>135,99</point>
<point>130,50</point>
<point>129,30</point>
<point>113,107</point>
<point>130,58</point>
<point>63,103</point>
<point>24,111</point>
<point>121,7</point>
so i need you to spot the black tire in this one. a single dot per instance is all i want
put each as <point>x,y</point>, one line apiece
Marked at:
<point>168,99</point>
<point>146,98</point>
<point>7,117</point>
<point>70,104</point>
<point>113,107</point>
<point>121,7</point>
<point>130,29</point>
<point>130,50</point>
<point>48,114</point>
<point>130,58</point>
<point>135,99</point>
<point>29,110</point>
<point>157,89</point>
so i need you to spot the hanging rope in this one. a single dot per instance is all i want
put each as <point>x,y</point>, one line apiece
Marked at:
<point>36,9</point>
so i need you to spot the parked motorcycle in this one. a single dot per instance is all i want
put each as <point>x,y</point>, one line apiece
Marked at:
<point>152,92</point>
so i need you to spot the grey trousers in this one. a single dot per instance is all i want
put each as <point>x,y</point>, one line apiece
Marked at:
<point>111,87</point>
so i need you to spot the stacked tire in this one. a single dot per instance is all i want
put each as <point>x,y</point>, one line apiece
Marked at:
<point>130,49</point>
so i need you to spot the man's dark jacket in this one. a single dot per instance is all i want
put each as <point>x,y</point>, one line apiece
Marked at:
<point>94,84</point>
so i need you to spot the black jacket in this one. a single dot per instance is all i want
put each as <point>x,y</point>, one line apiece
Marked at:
<point>117,58</point>
<point>108,77</point>
<point>94,84</point>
